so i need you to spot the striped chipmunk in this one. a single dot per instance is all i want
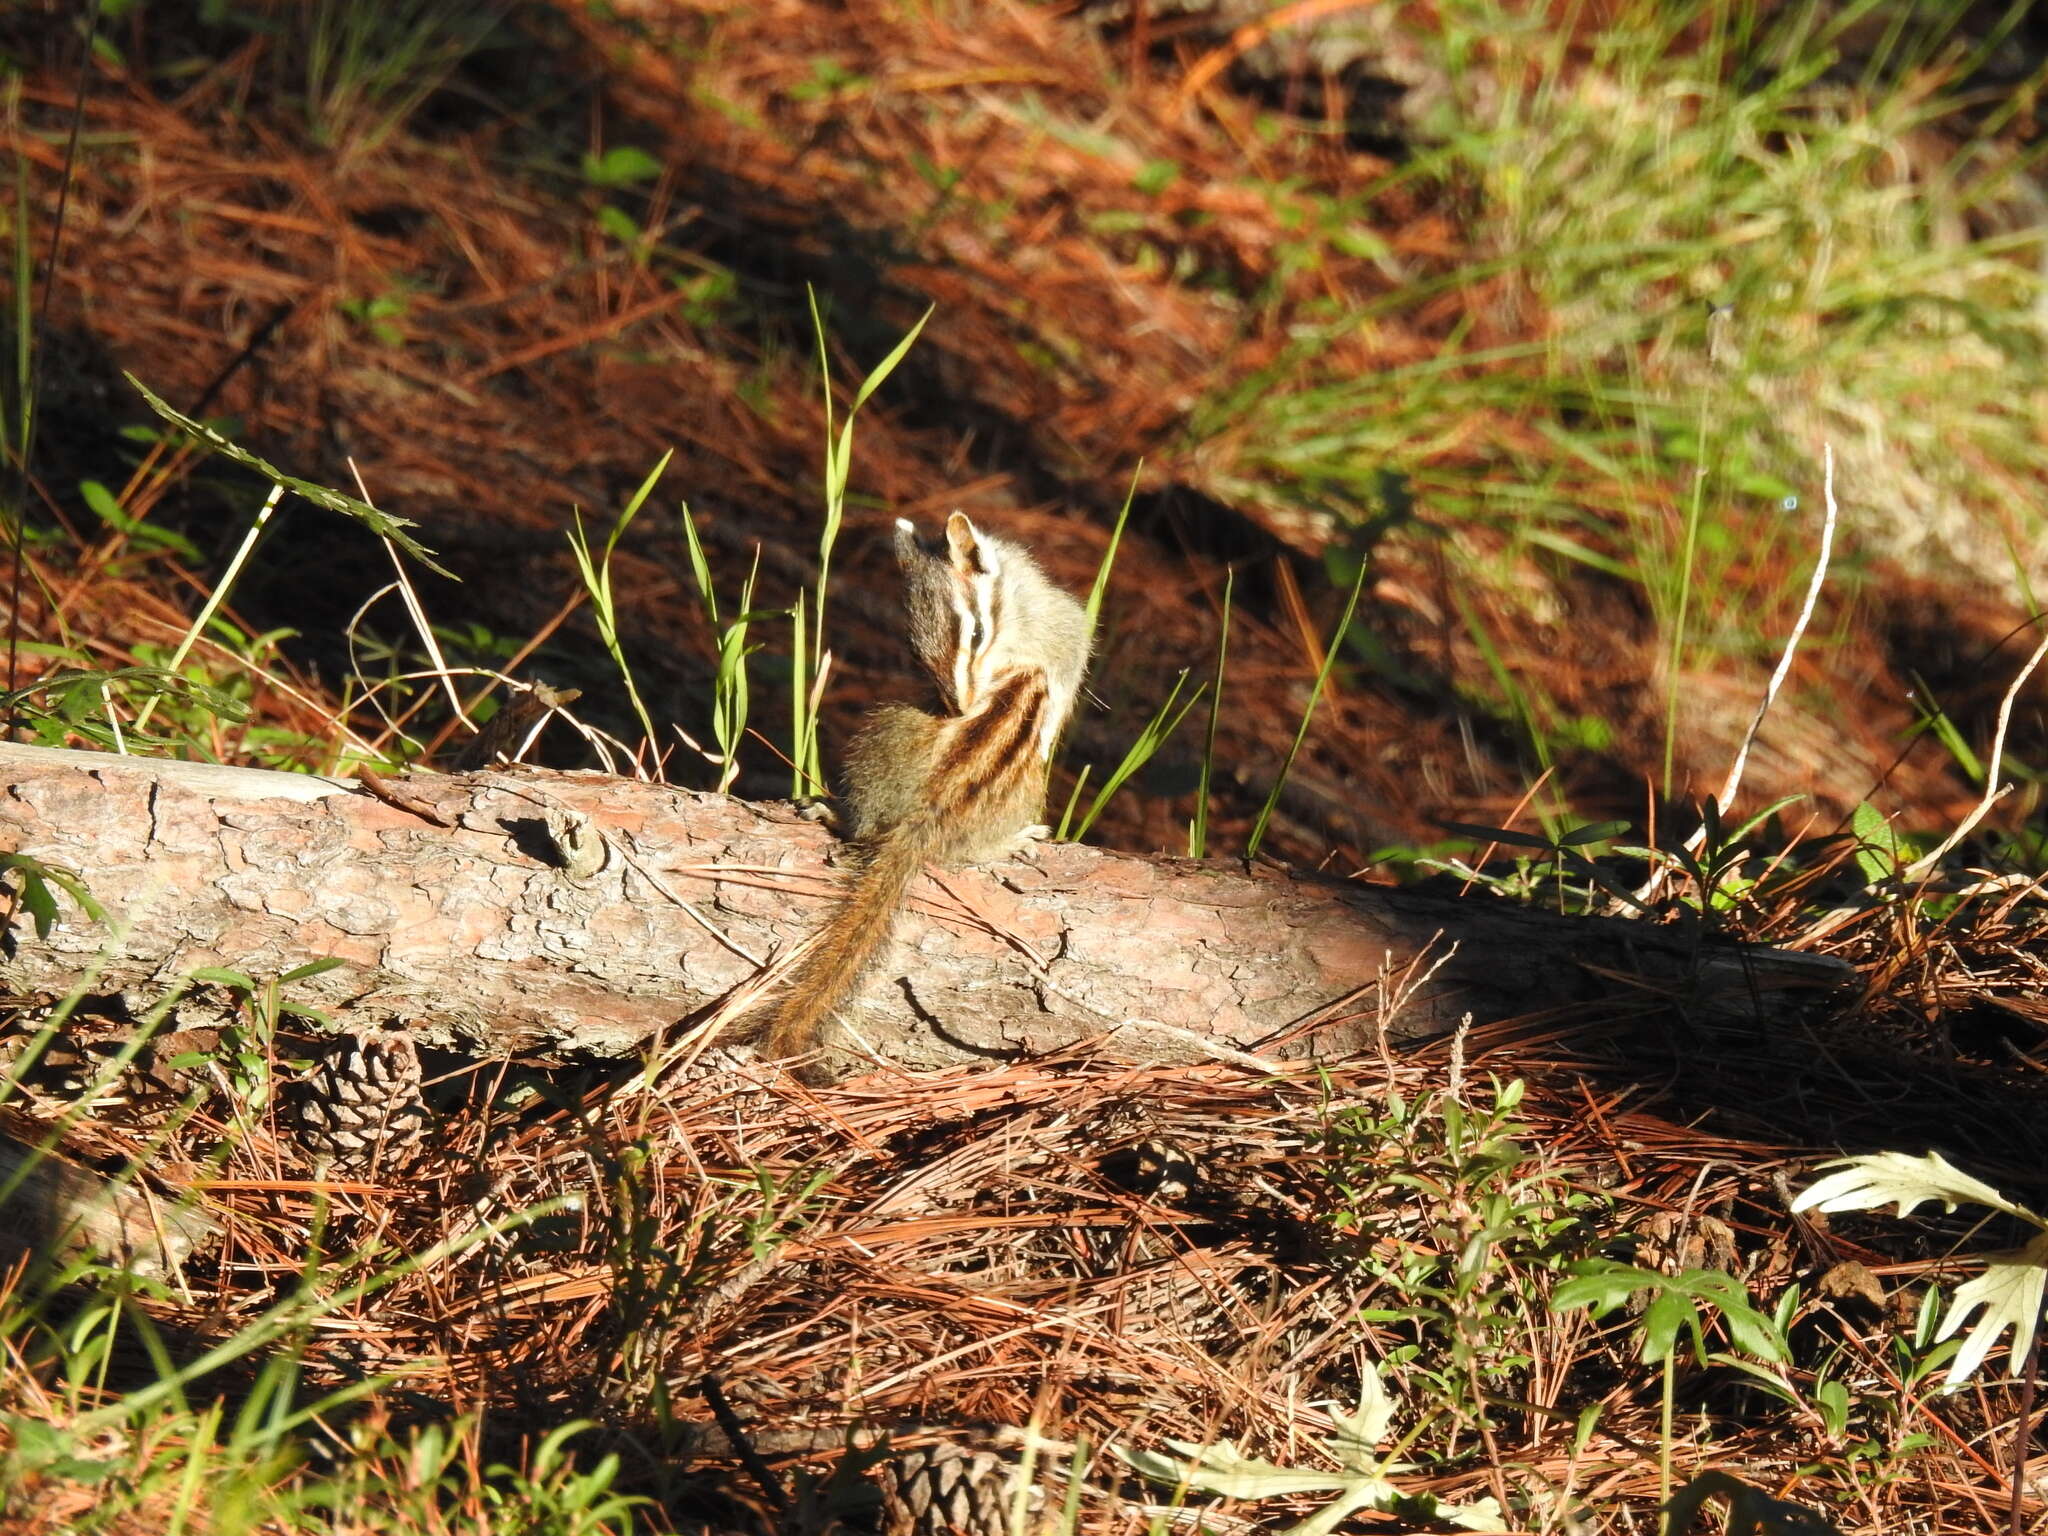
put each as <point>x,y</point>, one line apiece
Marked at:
<point>1005,649</point>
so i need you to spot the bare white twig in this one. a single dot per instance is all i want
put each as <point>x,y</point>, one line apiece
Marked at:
<point>1923,866</point>
<point>1726,799</point>
<point>1730,786</point>
<point>418,613</point>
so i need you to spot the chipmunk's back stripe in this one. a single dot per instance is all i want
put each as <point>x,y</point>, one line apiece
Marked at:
<point>994,743</point>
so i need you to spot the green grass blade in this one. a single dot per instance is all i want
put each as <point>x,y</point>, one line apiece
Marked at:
<point>1116,536</point>
<point>215,598</point>
<point>384,524</point>
<point>1198,833</point>
<point>700,568</point>
<point>1161,726</point>
<point>809,663</point>
<point>803,746</point>
<point>1066,820</point>
<point>1315,696</point>
<point>597,582</point>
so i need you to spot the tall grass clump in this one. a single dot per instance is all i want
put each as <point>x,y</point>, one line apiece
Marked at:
<point>1708,237</point>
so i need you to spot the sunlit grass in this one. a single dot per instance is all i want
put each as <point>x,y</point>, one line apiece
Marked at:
<point>1735,248</point>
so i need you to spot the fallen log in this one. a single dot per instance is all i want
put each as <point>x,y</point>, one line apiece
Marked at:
<point>543,913</point>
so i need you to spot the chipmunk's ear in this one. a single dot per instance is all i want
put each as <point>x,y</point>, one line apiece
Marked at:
<point>971,555</point>
<point>908,546</point>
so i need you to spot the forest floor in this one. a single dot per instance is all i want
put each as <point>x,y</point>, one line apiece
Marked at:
<point>1540,333</point>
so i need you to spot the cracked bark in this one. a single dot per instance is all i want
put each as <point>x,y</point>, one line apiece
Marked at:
<point>562,913</point>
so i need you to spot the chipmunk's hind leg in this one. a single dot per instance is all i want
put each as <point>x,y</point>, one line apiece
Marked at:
<point>888,770</point>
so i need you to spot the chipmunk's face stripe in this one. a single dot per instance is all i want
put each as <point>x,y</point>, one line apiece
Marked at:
<point>964,690</point>
<point>976,603</point>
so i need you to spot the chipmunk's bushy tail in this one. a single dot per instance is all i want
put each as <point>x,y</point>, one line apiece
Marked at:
<point>850,940</point>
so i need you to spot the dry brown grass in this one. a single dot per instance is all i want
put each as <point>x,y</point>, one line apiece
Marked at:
<point>941,1255</point>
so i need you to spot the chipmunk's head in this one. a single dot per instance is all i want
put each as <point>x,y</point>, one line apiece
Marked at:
<point>980,607</point>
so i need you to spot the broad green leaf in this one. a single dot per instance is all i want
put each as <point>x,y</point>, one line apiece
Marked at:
<point>1597,832</point>
<point>881,371</point>
<point>1671,1311</point>
<point>1498,835</point>
<point>1750,1331</point>
<point>221,976</point>
<point>619,224</point>
<point>312,968</point>
<point>1877,845</point>
<point>41,905</point>
<point>1603,1288</point>
<point>623,165</point>
<point>700,568</point>
<point>1742,832</point>
<point>37,897</point>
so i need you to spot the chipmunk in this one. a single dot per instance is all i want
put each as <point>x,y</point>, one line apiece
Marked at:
<point>1005,649</point>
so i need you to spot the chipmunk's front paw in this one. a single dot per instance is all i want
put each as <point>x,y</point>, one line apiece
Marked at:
<point>1029,840</point>
<point>821,809</point>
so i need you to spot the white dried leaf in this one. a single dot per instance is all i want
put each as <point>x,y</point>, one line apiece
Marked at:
<point>1221,1469</point>
<point>1894,1178</point>
<point>2009,1292</point>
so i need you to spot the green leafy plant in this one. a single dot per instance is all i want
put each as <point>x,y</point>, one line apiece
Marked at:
<point>1678,1306</point>
<point>730,699</point>
<point>381,316</point>
<point>31,887</point>
<point>69,702</point>
<point>176,1454</point>
<point>1439,1199</point>
<point>103,504</point>
<point>1157,731</point>
<point>385,525</point>
<point>1880,854</point>
<point>1718,868</point>
<point>550,1494</point>
<point>597,582</point>
<point>623,165</point>
<point>1559,862</point>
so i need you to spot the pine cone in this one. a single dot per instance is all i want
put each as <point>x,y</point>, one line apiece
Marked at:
<point>945,1490</point>
<point>360,1109</point>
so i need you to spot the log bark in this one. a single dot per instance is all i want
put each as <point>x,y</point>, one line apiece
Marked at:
<point>540,913</point>
<point>53,1209</point>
